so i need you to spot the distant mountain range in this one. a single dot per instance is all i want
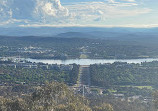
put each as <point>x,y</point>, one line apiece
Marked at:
<point>81,32</point>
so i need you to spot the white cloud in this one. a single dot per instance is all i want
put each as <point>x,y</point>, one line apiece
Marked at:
<point>91,25</point>
<point>101,11</point>
<point>112,1</point>
<point>124,3</point>
<point>51,12</point>
<point>43,11</point>
<point>121,1</point>
<point>128,0</point>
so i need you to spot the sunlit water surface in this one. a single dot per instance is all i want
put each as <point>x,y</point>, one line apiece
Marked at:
<point>90,61</point>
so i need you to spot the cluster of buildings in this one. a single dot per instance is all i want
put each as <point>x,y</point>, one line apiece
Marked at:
<point>31,49</point>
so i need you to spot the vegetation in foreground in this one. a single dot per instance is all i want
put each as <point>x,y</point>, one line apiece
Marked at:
<point>58,97</point>
<point>51,97</point>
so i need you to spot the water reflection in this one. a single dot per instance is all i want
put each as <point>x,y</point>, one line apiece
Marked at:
<point>90,61</point>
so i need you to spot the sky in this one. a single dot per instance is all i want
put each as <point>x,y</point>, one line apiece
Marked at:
<point>95,13</point>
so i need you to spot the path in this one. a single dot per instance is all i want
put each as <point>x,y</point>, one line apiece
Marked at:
<point>84,75</point>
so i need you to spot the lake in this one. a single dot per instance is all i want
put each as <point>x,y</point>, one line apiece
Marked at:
<point>90,61</point>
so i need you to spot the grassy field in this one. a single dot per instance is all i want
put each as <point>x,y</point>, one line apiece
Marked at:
<point>83,56</point>
<point>140,87</point>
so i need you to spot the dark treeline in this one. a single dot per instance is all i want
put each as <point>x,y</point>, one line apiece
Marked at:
<point>74,74</point>
<point>38,75</point>
<point>124,74</point>
<point>129,79</point>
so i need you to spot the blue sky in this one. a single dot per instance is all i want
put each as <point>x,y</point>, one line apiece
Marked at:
<point>96,13</point>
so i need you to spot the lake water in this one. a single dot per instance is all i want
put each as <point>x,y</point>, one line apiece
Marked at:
<point>90,61</point>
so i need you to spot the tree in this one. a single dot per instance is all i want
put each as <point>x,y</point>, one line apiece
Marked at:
<point>155,96</point>
<point>103,107</point>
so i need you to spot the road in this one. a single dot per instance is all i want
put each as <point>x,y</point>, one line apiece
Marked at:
<point>84,75</point>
